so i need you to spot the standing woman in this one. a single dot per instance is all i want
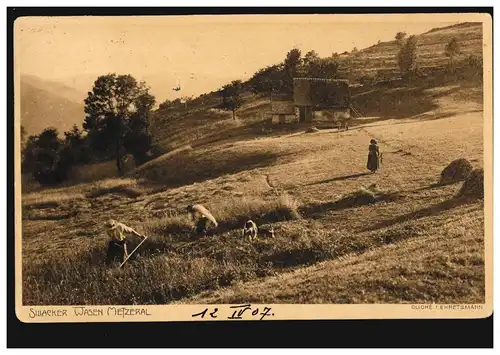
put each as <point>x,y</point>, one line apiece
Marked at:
<point>373,163</point>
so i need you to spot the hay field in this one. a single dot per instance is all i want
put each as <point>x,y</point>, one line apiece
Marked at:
<point>420,244</point>
<point>343,235</point>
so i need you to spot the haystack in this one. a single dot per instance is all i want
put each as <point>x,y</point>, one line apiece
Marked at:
<point>473,186</point>
<point>457,170</point>
<point>312,130</point>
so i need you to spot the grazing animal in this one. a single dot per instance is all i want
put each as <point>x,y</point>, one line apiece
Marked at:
<point>250,229</point>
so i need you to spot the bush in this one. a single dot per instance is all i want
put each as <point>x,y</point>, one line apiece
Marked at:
<point>457,170</point>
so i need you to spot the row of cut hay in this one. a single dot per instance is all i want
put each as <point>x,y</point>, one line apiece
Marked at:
<point>55,197</point>
<point>127,187</point>
<point>50,200</point>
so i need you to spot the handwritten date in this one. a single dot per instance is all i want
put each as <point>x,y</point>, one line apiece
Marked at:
<point>237,312</point>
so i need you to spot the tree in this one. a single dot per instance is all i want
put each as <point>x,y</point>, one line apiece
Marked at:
<point>113,109</point>
<point>310,57</point>
<point>231,96</point>
<point>290,67</point>
<point>452,49</point>
<point>165,105</point>
<point>323,68</point>
<point>139,139</point>
<point>407,58</point>
<point>42,157</point>
<point>267,79</point>
<point>76,147</point>
<point>400,36</point>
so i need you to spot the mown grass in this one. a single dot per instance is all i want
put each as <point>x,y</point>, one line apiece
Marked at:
<point>401,271</point>
<point>386,252</point>
<point>168,268</point>
<point>164,270</point>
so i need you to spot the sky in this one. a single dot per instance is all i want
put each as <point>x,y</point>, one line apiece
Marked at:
<point>202,53</point>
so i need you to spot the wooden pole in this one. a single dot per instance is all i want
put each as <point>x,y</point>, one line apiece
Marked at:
<point>133,251</point>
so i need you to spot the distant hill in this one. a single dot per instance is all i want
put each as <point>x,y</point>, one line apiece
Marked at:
<point>45,103</point>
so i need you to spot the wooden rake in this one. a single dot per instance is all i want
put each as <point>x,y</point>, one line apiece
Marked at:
<point>133,251</point>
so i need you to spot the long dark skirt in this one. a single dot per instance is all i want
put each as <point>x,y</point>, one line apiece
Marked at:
<point>116,252</point>
<point>373,163</point>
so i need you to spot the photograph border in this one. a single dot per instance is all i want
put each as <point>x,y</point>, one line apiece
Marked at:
<point>301,313</point>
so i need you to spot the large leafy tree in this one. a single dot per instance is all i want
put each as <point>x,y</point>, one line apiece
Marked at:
<point>117,116</point>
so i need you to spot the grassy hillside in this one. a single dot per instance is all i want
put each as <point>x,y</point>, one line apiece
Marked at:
<point>405,240</point>
<point>45,103</point>
<point>202,123</point>
<point>298,190</point>
<point>381,58</point>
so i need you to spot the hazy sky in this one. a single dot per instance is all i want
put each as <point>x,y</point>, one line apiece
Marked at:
<point>202,52</point>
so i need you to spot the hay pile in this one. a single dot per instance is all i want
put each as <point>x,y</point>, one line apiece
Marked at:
<point>457,170</point>
<point>473,186</point>
<point>312,130</point>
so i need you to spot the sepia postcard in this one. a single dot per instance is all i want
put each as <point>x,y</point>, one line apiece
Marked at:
<point>253,167</point>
